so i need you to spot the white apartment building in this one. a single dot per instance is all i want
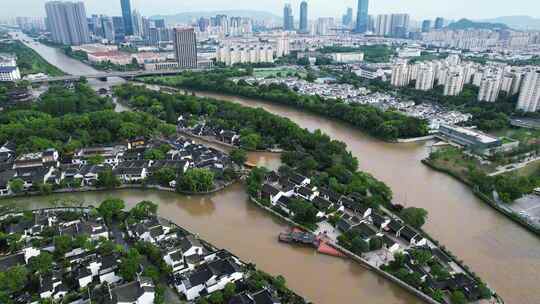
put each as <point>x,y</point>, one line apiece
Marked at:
<point>489,89</point>
<point>400,75</point>
<point>8,68</point>
<point>529,98</point>
<point>453,84</point>
<point>245,54</point>
<point>425,77</point>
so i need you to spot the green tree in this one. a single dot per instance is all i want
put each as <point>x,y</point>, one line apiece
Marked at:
<point>16,185</point>
<point>41,264</point>
<point>250,141</point>
<point>154,154</point>
<point>111,208</point>
<point>45,188</point>
<point>13,280</point>
<point>107,179</point>
<point>216,297</point>
<point>62,244</point>
<point>143,209</point>
<point>457,297</point>
<point>196,180</point>
<point>239,156</point>
<point>130,264</point>
<point>375,243</point>
<point>96,159</point>
<point>415,217</point>
<point>229,291</point>
<point>359,245</point>
<point>164,176</point>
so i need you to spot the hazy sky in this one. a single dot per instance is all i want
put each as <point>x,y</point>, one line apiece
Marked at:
<point>474,9</point>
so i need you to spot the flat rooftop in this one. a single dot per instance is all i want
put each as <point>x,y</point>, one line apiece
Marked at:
<point>480,136</point>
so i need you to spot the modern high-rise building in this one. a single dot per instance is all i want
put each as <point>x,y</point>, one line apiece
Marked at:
<point>108,28</point>
<point>119,28</point>
<point>126,15</point>
<point>399,25</point>
<point>383,25</point>
<point>453,84</point>
<point>425,77</point>
<point>288,18</point>
<point>347,19</point>
<point>426,26</point>
<point>489,89</point>
<point>185,47</point>
<point>362,16</point>
<point>67,22</point>
<point>138,29</point>
<point>529,98</point>
<point>439,23</point>
<point>303,17</point>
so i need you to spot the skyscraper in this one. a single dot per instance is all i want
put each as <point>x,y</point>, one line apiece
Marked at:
<point>347,19</point>
<point>126,15</point>
<point>108,28</point>
<point>67,22</point>
<point>185,47</point>
<point>426,26</point>
<point>439,23</point>
<point>362,16</point>
<point>303,17</point>
<point>288,18</point>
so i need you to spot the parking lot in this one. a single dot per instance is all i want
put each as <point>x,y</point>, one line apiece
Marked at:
<point>528,206</point>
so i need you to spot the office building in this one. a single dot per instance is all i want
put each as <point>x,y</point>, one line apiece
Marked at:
<point>288,18</point>
<point>529,98</point>
<point>159,23</point>
<point>362,16</point>
<point>138,29</point>
<point>127,17</point>
<point>108,28</point>
<point>185,47</point>
<point>67,22</point>
<point>426,26</point>
<point>347,19</point>
<point>119,29</point>
<point>303,17</point>
<point>439,23</point>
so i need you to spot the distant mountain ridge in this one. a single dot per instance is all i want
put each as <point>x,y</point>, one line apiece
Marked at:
<point>517,22</point>
<point>464,24</point>
<point>190,16</point>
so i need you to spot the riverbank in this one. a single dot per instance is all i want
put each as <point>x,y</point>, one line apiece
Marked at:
<point>365,263</point>
<point>494,246</point>
<point>121,187</point>
<point>489,201</point>
<point>28,60</point>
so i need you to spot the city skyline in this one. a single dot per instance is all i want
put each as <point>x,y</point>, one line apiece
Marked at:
<point>418,9</point>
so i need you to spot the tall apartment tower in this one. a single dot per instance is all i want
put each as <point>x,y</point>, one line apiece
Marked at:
<point>362,16</point>
<point>185,47</point>
<point>303,17</point>
<point>67,22</point>
<point>439,23</point>
<point>489,89</point>
<point>529,98</point>
<point>288,18</point>
<point>425,77</point>
<point>126,15</point>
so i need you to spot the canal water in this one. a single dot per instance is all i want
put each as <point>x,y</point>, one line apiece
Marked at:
<point>500,251</point>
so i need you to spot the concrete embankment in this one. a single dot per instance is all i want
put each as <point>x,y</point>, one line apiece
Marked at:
<point>356,258</point>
